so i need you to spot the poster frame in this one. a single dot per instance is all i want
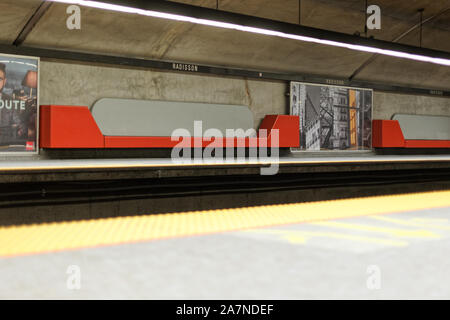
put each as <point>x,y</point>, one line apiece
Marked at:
<point>36,151</point>
<point>336,151</point>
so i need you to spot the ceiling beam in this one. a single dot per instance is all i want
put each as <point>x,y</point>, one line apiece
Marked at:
<point>31,23</point>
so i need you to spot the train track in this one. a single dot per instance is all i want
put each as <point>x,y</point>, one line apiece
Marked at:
<point>72,192</point>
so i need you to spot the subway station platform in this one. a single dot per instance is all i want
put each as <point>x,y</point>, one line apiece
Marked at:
<point>388,247</point>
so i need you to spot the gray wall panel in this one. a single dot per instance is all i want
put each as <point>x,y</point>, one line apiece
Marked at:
<point>422,127</point>
<point>127,117</point>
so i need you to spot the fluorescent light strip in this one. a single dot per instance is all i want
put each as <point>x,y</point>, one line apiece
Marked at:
<point>149,13</point>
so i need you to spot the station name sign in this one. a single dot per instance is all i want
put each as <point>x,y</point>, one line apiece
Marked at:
<point>335,82</point>
<point>437,92</point>
<point>185,67</point>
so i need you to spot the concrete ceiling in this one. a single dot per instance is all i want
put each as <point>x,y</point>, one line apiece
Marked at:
<point>14,15</point>
<point>137,36</point>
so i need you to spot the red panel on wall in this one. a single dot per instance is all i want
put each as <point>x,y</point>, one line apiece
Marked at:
<point>68,127</point>
<point>387,134</point>
<point>288,126</point>
<point>74,127</point>
<point>427,143</point>
<point>166,142</point>
<point>139,142</point>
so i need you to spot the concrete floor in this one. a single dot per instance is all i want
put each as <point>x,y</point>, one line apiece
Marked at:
<point>394,256</point>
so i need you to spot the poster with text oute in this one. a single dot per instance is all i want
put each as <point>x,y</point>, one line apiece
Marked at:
<point>19,101</point>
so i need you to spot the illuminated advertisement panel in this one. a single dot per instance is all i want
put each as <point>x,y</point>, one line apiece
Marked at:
<point>332,117</point>
<point>19,94</point>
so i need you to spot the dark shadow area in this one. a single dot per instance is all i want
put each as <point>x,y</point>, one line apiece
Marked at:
<point>128,153</point>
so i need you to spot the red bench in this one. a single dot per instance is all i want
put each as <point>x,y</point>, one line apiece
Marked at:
<point>389,134</point>
<point>75,127</point>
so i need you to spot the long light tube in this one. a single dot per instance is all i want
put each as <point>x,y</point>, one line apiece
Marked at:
<point>170,16</point>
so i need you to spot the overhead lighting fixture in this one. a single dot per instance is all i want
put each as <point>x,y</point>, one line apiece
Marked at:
<point>347,41</point>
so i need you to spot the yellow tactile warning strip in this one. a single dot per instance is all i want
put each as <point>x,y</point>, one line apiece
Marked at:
<point>40,238</point>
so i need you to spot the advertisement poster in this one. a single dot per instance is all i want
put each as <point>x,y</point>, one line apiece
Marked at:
<point>19,94</point>
<point>332,117</point>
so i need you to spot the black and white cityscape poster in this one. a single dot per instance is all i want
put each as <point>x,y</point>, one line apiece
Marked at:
<point>332,117</point>
<point>19,94</point>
